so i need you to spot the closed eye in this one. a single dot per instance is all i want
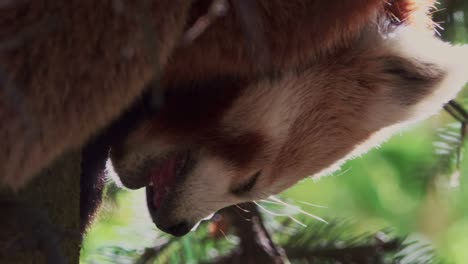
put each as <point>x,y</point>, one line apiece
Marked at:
<point>246,186</point>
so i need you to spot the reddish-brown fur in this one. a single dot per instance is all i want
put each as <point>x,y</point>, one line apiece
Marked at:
<point>294,34</point>
<point>70,67</point>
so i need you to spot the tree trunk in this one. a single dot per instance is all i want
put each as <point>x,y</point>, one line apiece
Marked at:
<point>40,223</point>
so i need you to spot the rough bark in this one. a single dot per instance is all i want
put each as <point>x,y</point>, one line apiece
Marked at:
<point>40,223</point>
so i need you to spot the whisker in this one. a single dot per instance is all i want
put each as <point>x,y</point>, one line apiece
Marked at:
<point>297,221</point>
<point>270,212</point>
<point>314,205</point>
<point>299,209</point>
<point>270,202</point>
<point>226,237</point>
<point>242,209</point>
<point>437,10</point>
<point>343,172</point>
<point>278,214</point>
<point>306,203</point>
<point>242,216</point>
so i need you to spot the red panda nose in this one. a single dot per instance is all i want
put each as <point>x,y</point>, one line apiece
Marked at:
<point>179,229</point>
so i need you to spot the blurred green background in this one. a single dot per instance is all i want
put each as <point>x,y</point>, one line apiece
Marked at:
<point>404,189</point>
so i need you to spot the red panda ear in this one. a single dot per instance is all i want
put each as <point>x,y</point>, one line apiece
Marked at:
<point>415,79</point>
<point>408,81</point>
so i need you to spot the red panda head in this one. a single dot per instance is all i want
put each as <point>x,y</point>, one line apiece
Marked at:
<point>232,134</point>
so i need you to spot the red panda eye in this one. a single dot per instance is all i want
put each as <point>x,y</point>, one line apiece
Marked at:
<point>246,186</point>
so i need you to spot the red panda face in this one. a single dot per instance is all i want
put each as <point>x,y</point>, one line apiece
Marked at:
<point>230,139</point>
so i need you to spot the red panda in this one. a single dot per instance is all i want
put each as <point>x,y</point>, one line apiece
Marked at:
<point>240,122</point>
<point>269,93</point>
